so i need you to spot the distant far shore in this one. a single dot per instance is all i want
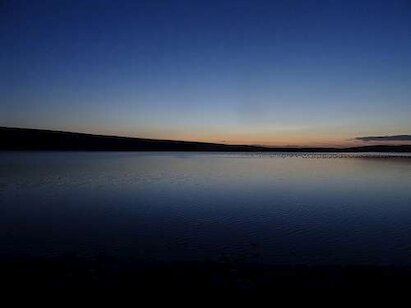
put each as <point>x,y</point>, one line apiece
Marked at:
<point>47,140</point>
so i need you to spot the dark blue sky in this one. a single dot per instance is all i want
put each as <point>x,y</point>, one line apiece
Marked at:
<point>272,72</point>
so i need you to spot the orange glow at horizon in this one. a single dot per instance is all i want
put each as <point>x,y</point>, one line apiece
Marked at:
<point>270,140</point>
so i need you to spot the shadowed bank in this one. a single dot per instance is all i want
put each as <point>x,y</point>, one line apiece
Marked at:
<point>226,277</point>
<point>34,139</point>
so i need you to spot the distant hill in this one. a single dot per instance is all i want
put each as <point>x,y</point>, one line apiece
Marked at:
<point>47,140</point>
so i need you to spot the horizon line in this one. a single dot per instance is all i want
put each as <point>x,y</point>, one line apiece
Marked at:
<point>204,142</point>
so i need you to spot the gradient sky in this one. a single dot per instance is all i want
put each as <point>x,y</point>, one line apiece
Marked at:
<point>258,72</point>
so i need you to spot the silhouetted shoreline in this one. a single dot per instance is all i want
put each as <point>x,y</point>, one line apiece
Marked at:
<point>47,140</point>
<point>103,272</point>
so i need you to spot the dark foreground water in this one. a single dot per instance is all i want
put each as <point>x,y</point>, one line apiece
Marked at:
<point>251,208</point>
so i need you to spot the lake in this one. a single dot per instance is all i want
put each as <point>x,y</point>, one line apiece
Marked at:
<point>267,208</point>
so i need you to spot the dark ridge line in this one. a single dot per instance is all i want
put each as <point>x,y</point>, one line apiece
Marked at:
<point>27,139</point>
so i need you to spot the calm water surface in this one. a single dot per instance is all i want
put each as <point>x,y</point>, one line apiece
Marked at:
<point>269,208</point>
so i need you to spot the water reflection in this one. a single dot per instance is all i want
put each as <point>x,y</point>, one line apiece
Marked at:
<point>270,208</point>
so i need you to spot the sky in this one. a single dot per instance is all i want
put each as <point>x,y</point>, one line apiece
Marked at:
<point>286,72</point>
